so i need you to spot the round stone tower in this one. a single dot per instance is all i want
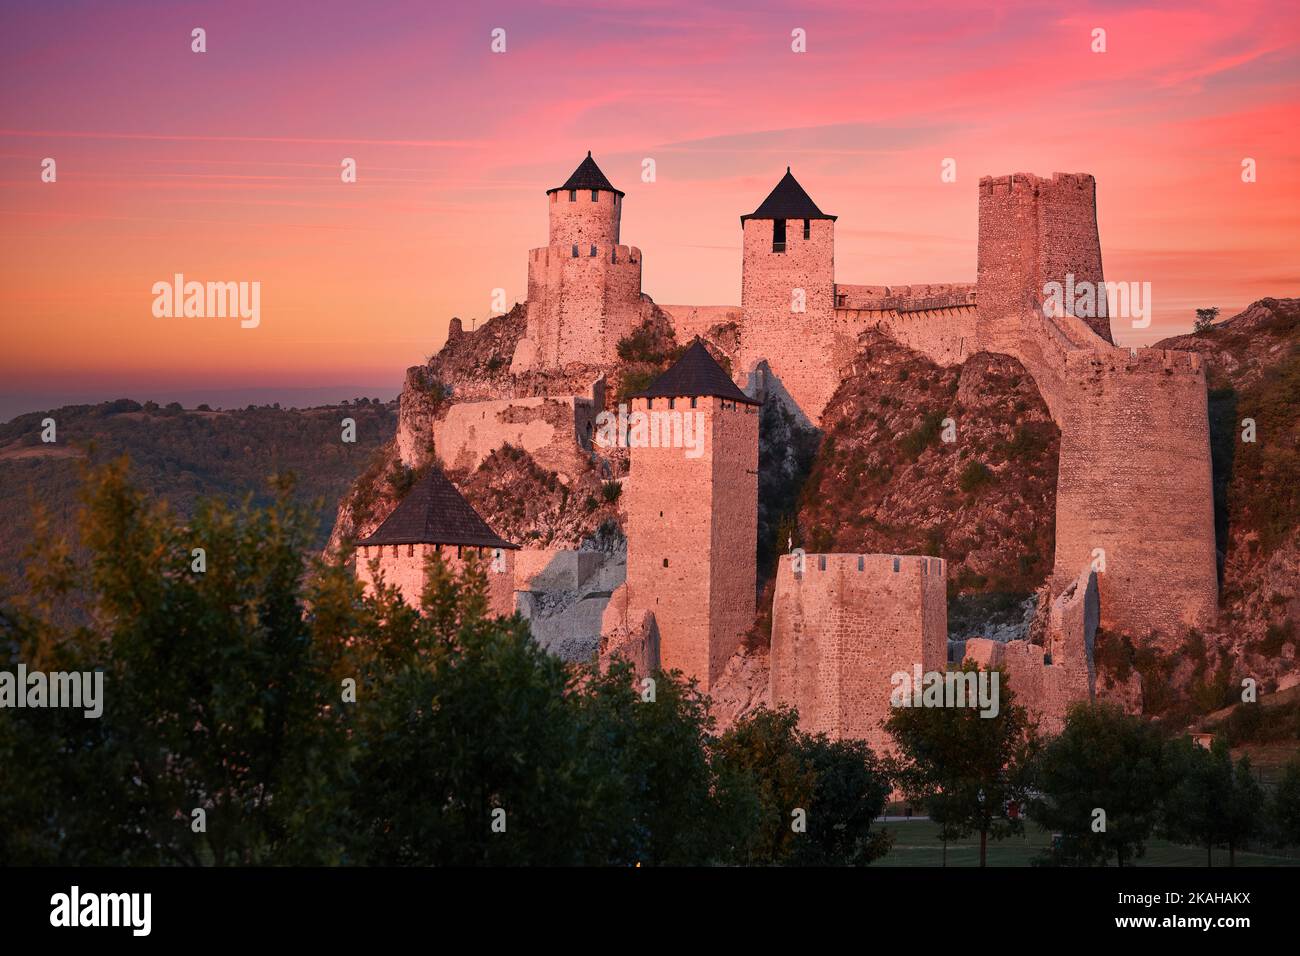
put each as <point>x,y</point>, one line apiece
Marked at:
<point>586,209</point>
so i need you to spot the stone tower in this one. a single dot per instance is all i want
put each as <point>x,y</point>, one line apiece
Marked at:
<point>692,513</point>
<point>434,518</point>
<point>584,289</point>
<point>1033,231</point>
<point>843,625</point>
<point>787,295</point>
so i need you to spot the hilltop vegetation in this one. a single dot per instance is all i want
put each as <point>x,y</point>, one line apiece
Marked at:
<point>886,480</point>
<point>179,455</point>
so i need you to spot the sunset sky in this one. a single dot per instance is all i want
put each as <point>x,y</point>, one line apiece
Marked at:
<point>225,165</point>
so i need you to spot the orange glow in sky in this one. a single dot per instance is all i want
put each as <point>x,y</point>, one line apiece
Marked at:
<point>225,165</point>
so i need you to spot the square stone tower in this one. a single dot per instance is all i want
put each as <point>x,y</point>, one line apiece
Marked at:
<point>843,625</point>
<point>434,518</point>
<point>692,513</point>
<point>787,295</point>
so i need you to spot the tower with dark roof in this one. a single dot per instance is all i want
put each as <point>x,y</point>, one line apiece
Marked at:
<point>692,513</point>
<point>434,518</point>
<point>584,289</point>
<point>787,295</point>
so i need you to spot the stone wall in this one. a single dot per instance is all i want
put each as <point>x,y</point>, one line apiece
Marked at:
<point>1047,679</point>
<point>404,565</point>
<point>555,431</point>
<point>692,320</point>
<point>844,626</point>
<point>946,336</point>
<point>692,526</point>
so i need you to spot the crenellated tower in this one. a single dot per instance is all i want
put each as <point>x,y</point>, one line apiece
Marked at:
<point>787,295</point>
<point>584,289</point>
<point>692,513</point>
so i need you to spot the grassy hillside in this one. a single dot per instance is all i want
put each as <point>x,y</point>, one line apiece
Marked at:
<point>180,455</point>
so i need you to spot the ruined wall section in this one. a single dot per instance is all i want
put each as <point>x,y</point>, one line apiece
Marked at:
<point>843,627</point>
<point>1135,481</point>
<point>555,431</point>
<point>404,565</point>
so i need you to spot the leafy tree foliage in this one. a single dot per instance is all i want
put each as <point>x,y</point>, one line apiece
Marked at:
<point>315,724</point>
<point>1209,800</point>
<point>1103,759</point>
<point>968,770</point>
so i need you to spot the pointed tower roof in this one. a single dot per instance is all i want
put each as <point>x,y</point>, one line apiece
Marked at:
<point>787,201</point>
<point>434,512</point>
<point>587,176</point>
<point>696,373</point>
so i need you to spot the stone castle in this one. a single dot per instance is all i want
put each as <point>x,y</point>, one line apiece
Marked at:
<point>1135,546</point>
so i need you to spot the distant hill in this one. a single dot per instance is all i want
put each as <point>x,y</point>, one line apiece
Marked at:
<point>180,455</point>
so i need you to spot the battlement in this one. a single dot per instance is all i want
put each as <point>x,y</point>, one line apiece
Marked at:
<point>865,563</point>
<point>613,254</point>
<point>906,298</point>
<point>1169,361</point>
<point>1028,184</point>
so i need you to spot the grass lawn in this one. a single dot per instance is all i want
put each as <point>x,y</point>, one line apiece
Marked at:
<point>916,843</point>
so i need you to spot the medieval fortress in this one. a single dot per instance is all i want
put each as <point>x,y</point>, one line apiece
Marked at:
<point>1135,546</point>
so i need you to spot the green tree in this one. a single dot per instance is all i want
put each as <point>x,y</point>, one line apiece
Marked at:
<point>1209,801</point>
<point>216,690</point>
<point>1102,759</point>
<point>1285,808</point>
<point>966,769</point>
<point>1204,319</point>
<point>838,785</point>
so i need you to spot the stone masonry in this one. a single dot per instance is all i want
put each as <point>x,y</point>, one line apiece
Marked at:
<point>843,625</point>
<point>1134,523</point>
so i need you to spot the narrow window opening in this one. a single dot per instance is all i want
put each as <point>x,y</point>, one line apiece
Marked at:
<point>575,250</point>
<point>807,228</point>
<point>665,562</point>
<point>778,235</point>
<point>593,251</point>
<point>595,196</point>
<point>693,401</point>
<point>895,564</point>
<point>573,195</point>
<point>821,562</point>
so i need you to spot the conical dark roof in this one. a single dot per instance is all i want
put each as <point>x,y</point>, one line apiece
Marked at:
<point>587,176</point>
<point>434,512</point>
<point>787,201</point>
<point>696,373</point>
